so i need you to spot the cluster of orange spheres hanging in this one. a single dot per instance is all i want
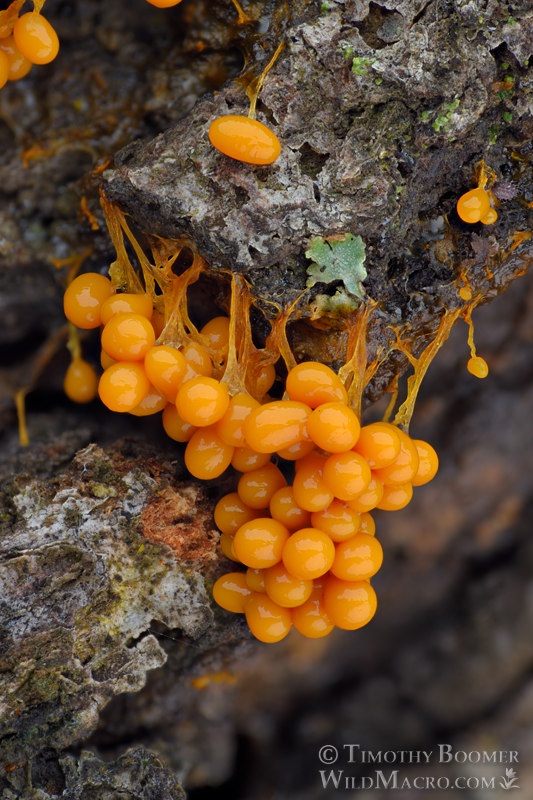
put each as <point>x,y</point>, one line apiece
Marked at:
<point>308,542</point>
<point>30,40</point>
<point>309,546</point>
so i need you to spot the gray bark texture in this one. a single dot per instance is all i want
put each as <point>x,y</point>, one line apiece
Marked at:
<point>119,677</point>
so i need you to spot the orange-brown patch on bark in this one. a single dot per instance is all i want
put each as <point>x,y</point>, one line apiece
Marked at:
<point>177,518</point>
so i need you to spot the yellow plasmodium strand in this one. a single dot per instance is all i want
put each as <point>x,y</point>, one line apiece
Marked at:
<point>254,87</point>
<point>9,16</point>
<point>421,364</point>
<point>357,372</point>
<point>48,350</point>
<point>477,366</point>
<point>240,336</point>
<point>203,681</point>
<point>277,341</point>
<point>20,405</point>
<point>168,290</point>
<point>243,18</point>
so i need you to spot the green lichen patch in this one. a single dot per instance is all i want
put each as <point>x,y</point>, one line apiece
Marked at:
<point>337,258</point>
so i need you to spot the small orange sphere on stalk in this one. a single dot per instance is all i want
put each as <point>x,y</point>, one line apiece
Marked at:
<point>231,513</point>
<point>81,381</point>
<point>231,592</point>
<point>18,65</point>
<point>256,488</point>
<point>473,205</point>
<point>478,367</point>
<point>268,621</point>
<point>166,368</point>
<point>84,297</point>
<point>206,455</point>
<point>128,337</point>
<point>35,38</point>
<point>308,553</point>
<point>244,139</point>
<point>276,425</point>
<point>349,604</point>
<point>259,543</point>
<point>311,619</point>
<point>123,386</point>
<point>202,401</point>
<point>163,3</point>
<point>175,427</point>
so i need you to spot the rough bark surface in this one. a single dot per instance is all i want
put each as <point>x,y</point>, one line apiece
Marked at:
<point>382,114</point>
<point>447,659</point>
<point>108,634</point>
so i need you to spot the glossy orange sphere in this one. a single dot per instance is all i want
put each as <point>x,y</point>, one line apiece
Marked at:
<point>277,425</point>
<point>176,427</point>
<point>128,337</point>
<point>123,386</point>
<point>166,368</point>
<point>314,383</point>
<point>231,513</point>
<point>206,455</point>
<point>347,475</point>
<point>333,427</point>
<point>244,139</point>
<point>349,604</point>
<point>357,558</point>
<point>84,297</point>
<point>231,592</point>
<point>311,619</point>
<point>231,427</point>
<point>259,543</point>
<point>202,401</point>
<point>127,303</point>
<point>338,520</point>
<point>268,621</point>
<point>18,65</point>
<point>255,488</point>
<point>308,553</point>
<point>405,465</point>
<point>35,38</point>
<point>81,382</point>
<point>285,589</point>
<point>379,444</point>
<point>473,205</point>
<point>428,463</point>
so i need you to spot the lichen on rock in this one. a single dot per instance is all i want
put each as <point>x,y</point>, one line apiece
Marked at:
<point>83,577</point>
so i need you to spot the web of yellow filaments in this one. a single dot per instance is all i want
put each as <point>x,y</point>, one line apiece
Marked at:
<point>245,360</point>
